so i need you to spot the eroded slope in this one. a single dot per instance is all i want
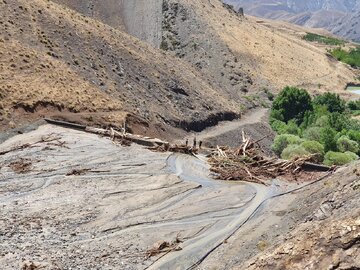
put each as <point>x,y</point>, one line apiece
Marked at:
<point>55,56</point>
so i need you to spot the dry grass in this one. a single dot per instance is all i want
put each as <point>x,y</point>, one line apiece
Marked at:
<point>275,51</point>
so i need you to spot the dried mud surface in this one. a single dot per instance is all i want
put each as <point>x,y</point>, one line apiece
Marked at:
<point>75,200</point>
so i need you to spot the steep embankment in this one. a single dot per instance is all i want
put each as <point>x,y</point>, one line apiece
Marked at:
<point>141,18</point>
<point>54,59</point>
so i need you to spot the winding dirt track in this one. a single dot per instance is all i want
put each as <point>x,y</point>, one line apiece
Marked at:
<point>251,117</point>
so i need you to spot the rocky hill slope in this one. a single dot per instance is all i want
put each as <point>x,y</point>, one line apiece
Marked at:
<point>242,54</point>
<point>339,17</point>
<point>54,59</point>
<point>212,63</point>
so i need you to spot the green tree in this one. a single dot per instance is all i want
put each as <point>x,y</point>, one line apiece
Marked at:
<point>344,144</point>
<point>339,121</point>
<point>327,138</point>
<point>283,140</point>
<point>291,104</point>
<point>333,102</point>
<point>294,151</point>
<point>312,134</point>
<point>336,158</point>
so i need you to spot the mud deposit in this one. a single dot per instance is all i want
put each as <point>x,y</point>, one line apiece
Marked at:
<point>87,203</point>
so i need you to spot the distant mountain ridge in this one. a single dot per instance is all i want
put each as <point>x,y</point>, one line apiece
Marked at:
<point>341,17</point>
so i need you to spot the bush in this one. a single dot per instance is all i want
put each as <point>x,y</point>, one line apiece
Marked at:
<point>351,57</point>
<point>283,128</point>
<point>327,138</point>
<point>344,144</point>
<point>314,148</point>
<point>337,158</point>
<point>294,151</point>
<point>323,39</point>
<point>283,140</point>
<point>278,126</point>
<point>339,121</point>
<point>354,135</point>
<point>323,121</point>
<point>333,102</point>
<point>354,105</point>
<point>291,103</point>
<point>312,134</point>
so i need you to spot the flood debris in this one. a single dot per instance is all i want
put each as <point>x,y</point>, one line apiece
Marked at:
<point>249,163</point>
<point>30,266</point>
<point>78,172</point>
<point>164,247</point>
<point>44,139</point>
<point>21,166</point>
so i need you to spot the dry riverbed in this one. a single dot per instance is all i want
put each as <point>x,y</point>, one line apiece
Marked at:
<point>73,200</point>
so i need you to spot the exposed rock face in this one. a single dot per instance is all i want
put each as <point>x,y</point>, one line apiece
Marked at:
<point>339,17</point>
<point>141,18</point>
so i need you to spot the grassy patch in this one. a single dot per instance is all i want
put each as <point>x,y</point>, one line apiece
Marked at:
<point>351,57</point>
<point>323,39</point>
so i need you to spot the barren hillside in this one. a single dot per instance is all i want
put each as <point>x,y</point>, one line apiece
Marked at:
<point>56,59</point>
<point>270,52</point>
<point>243,54</point>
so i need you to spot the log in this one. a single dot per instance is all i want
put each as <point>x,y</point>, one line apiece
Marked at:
<point>308,166</point>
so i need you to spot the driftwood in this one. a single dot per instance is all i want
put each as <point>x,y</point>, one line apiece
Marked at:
<point>249,163</point>
<point>44,139</point>
<point>124,137</point>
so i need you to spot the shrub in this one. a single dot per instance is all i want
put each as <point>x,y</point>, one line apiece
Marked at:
<point>354,135</point>
<point>314,148</point>
<point>353,155</point>
<point>312,134</point>
<point>293,151</point>
<point>283,128</point>
<point>339,121</point>
<point>278,126</point>
<point>327,138</point>
<point>351,57</point>
<point>323,121</point>
<point>333,102</point>
<point>354,105</point>
<point>291,103</point>
<point>283,140</point>
<point>344,144</point>
<point>337,158</point>
<point>323,39</point>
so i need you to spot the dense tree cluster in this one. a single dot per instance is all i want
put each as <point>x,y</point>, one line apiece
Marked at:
<point>321,127</point>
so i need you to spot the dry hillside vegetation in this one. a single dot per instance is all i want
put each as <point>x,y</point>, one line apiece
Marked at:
<point>100,68</point>
<point>239,55</point>
<point>270,53</point>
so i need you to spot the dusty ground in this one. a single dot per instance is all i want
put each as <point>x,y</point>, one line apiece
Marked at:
<point>70,197</point>
<point>77,196</point>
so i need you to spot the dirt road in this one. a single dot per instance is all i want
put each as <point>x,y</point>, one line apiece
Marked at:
<point>249,118</point>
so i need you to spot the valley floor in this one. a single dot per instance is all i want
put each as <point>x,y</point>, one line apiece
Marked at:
<point>73,200</point>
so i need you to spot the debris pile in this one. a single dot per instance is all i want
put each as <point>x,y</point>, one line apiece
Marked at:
<point>249,163</point>
<point>164,247</point>
<point>21,166</point>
